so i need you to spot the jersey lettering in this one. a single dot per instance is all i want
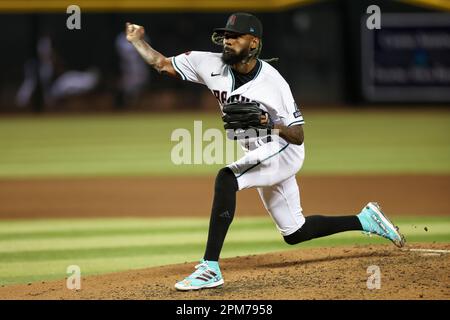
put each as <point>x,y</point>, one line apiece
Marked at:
<point>233,98</point>
<point>216,94</point>
<point>223,96</point>
<point>237,97</point>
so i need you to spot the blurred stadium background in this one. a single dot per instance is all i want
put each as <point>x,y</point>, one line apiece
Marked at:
<point>85,128</point>
<point>319,44</point>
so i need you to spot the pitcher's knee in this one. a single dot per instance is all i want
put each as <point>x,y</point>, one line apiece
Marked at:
<point>226,181</point>
<point>302,234</point>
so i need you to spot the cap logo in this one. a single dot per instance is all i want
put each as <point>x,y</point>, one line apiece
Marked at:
<point>252,30</point>
<point>232,20</point>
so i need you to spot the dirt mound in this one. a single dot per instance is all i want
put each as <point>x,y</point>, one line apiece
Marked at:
<point>321,273</point>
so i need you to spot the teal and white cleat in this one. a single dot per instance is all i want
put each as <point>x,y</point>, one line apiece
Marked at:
<point>374,221</point>
<point>207,275</point>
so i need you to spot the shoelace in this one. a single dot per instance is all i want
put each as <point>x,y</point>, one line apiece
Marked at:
<point>201,268</point>
<point>373,230</point>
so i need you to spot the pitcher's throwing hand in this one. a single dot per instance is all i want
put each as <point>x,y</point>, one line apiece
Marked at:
<point>134,32</point>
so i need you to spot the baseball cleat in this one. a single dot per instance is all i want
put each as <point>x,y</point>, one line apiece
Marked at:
<point>374,221</point>
<point>207,275</point>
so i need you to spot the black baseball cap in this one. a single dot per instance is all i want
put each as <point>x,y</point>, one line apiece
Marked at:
<point>243,23</point>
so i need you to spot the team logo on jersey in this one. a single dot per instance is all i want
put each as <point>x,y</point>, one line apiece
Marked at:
<point>297,112</point>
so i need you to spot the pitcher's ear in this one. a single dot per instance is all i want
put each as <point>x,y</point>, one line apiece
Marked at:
<point>254,45</point>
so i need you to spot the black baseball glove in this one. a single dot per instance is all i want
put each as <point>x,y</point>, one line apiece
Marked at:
<point>245,115</point>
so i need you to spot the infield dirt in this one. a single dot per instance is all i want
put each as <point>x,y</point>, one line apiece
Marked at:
<point>164,196</point>
<point>320,273</point>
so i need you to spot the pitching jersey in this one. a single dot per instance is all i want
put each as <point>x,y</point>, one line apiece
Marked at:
<point>268,88</point>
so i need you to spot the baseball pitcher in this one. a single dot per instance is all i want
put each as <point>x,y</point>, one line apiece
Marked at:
<point>254,97</point>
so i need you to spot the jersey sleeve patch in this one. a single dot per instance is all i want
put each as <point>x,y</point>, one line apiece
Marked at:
<point>297,113</point>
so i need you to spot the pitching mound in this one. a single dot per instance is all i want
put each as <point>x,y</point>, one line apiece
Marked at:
<point>321,273</point>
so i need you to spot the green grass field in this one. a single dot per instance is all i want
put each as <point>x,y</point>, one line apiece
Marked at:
<point>43,249</point>
<point>336,143</point>
<point>357,142</point>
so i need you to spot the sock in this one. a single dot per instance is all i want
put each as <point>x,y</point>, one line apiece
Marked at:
<point>321,226</point>
<point>222,213</point>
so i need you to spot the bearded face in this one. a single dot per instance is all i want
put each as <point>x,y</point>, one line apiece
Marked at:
<point>231,57</point>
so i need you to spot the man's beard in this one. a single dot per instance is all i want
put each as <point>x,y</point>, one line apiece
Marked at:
<point>229,57</point>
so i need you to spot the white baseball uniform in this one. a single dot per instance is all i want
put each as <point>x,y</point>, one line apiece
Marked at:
<point>269,165</point>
